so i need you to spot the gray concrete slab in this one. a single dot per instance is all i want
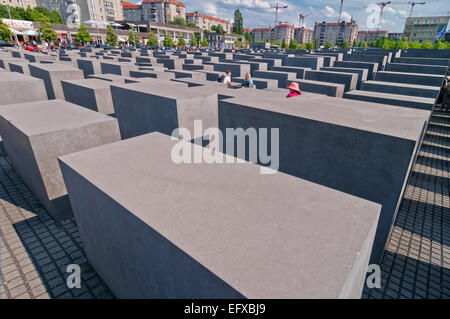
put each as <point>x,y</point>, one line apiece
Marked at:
<point>429,53</point>
<point>362,73</point>
<point>417,68</point>
<point>401,89</point>
<point>142,108</point>
<point>363,149</point>
<point>371,67</point>
<point>34,134</point>
<point>415,102</point>
<point>423,61</point>
<point>300,71</point>
<point>270,62</point>
<point>20,88</point>
<point>380,59</point>
<point>321,87</point>
<point>410,78</point>
<point>312,62</point>
<point>113,78</point>
<point>348,79</point>
<point>52,75</point>
<point>38,57</point>
<point>93,94</point>
<point>283,78</point>
<point>233,250</point>
<point>89,66</point>
<point>259,83</point>
<point>117,68</point>
<point>237,69</point>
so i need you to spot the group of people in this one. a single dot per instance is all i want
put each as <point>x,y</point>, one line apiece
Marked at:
<point>294,88</point>
<point>444,95</point>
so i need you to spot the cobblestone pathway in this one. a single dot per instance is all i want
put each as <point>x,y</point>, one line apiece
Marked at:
<point>417,259</point>
<point>35,249</point>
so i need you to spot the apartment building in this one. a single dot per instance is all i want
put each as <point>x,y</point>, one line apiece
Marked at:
<point>421,29</point>
<point>395,35</point>
<point>19,3</point>
<point>283,32</point>
<point>205,22</point>
<point>261,34</point>
<point>336,33</point>
<point>303,35</point>
<point>162,11</point>
<point>369,36</point>
<point>100,11</point>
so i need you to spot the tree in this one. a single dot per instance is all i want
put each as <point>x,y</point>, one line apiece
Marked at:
<point>48,34</point>
<point>5,32</point>
<point>328,44</point>
<point>427,45</point>
<point>293,45</point>
<point>354,43</point>
<point>266,40</point>
<point>193,41</point>
<point>414,45</point>
<point>83,36</point>
<point>248,37</point>
<point>283,44</point>
<point>310,45</point>
<point>132,38</point>
<point>181,41</point>
<point>402,43</point>
<point>440,45</point>
<point>345,44</point>
<point>218,29</point>
<point>152,39</point>
<point>178,21</point>
<point>364,45</point>
<point>168,41</point>
<point>111,36</point>
<point>204,42</point>
<point>316,44</point>
<point>238,26</point>
<point>192,25</point>
<point>303,46</point>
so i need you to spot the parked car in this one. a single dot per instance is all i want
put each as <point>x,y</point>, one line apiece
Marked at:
<point>31,48</point>
<point>3,43</point>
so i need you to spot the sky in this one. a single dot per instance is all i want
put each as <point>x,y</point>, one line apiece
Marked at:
<point>257,13</point>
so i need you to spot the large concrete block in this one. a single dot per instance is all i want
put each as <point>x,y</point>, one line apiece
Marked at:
<point>415,102</point>
<point>321,87</point>
<point>363,149</point>
<point>423,61</point>
<point>38,57</point>
<point>270,62</point>
<point>300,71</point>
<point>113,78</point>
<point>20,88</point>
<point>35,134</point>
<point>362,73</point>
<point>429,53</point>
<point>380,59</point>
<point>371,67</point>
<point>283,78</point>
<point>348,79</point>
<point>238,70</point>
<point>143,109</point>
<point>401,89</point>
<point>417,68</point>
<point>52,75</point>
<point>265,236</point>
<point>89,66</point>
<point>118,68</point>
<point>171,64</point>
<point>93,94</point>
<point>410,78</point>
<point>282,57</point>
<point>314,63</point>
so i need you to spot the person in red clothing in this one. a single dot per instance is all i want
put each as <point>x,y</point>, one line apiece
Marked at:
<point>294,90</point>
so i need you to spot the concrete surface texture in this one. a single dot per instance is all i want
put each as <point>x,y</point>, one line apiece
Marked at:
<point>36,133</point>
<point>20,88</point>
<point>142,109</point>
<point>312,144</point>
<point>348,79</point>
<point>233,249</point>
<point>52,74</point>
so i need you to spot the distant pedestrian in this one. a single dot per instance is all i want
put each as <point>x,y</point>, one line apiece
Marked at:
<point>226,78</point>
<point>248,82</point>
<point>294,90</point>
<point>446,99</point>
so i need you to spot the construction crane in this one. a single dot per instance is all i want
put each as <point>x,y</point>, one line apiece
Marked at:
<point>277,7</point>
<point>301,21</point>
<point>340,11</point>
<point>382,5</point>
<point>412,4</point>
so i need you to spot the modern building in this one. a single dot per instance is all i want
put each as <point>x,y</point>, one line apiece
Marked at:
<point>395,35</point>
<point>336,33</point>
<point>283,32</point>
<point>420,29</point>
<point>100,11</point>
<point>369,36</point>
<point>205,22</point>
<point>162,11</point>
<point>303,35</point>
<point>220,41</point>
<point>19,3</point>
<point>261,34</point>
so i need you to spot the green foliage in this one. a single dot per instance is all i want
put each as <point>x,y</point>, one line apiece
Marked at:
<point>283,44</point>
<point>181,41</point>
<point>111,36</point>
<point>248,37</point>
<point>238,43</point>
<point>48,34</point>
<point>415,45</point>
<point>37,14</point>
<point>345,44</point>
<point>204,43</point>
<point>238,26</point>
<point>364,44</point>
<point>266,40</point>
<point>192,25</point>
<point>293,45</point>
<point>83,36</point>
<point>354,43</point>
<point>402,43</point>
<point>168,41</point>
<point>193,41</point>
<point>218,29</point>
<point>316,44</point>
<point>152,39</point>
<point>303,46</point>
<point>5,32</point>
<point>178,21</point>
<point>427,45</point>
<point>442,45</point>
<point>133,38</point>
<point>310,45</point>
<point>328,44</point>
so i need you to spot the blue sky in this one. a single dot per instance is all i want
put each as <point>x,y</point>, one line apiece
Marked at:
<point>320,10</point>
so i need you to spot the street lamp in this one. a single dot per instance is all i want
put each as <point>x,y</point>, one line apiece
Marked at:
<point>14,30</point>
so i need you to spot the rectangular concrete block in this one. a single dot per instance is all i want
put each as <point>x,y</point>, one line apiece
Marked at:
<point>89,66</point>
<point>238,70</point>
<point>314,63</point>
<point>348,79</point>
<point>143,109</point>
<point>38,57</point>
<point>410,78</point>
<point>93,94</point>
<point>183,248</point>
<point>361,73</point>
<point>380,59</point>
<point>371,67</point>
<point>299,70</point>
<point>402,89</point>
<point>381,142</point>
<point>35,134</point>
<point>322,87</point>
<point>417,68</point>
<point>415,102</point>
<point>283,78</point>
<point>52,75</point>
<point>118,68</point>
<point>20,88</point>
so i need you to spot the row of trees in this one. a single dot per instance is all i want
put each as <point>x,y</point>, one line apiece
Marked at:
<point>37,14</point>
<point>402,43</point>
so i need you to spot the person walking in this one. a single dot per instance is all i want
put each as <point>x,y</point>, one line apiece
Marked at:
<point>248,82</point>
<point>294,90</point>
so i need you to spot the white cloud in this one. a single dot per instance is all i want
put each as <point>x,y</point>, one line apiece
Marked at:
<point>331,13</point>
